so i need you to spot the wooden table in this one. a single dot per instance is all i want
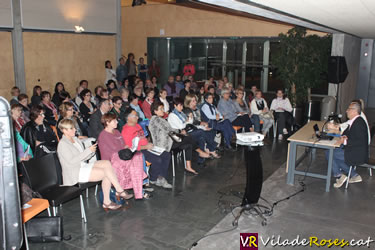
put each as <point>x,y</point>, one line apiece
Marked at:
<point>306,137</point>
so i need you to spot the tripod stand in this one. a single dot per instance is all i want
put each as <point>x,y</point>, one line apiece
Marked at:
<point>253,209</point>
<point>254,181</point>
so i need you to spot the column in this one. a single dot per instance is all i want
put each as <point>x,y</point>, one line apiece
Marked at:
<point>266,61</point>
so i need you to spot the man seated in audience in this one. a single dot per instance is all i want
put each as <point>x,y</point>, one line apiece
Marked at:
<point>95,123</point>
<point>353,149</point>
<point>171,88</point>
<point>179,84</point>
<point>15,93</point>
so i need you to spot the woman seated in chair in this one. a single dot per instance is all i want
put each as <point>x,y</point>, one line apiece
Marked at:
<point>216,121</point>
<point>38,134</point>
<point>228,109</point>
<point>160,130</point>
<point>258,107</point>
<point>51,113</point>
<point>242,107</point>
<point>281,107</point>
<point>159,163</point>
<point>67,112</point>
<point>73,157</point>
<point>190,106</point>
<point>179,120</point>
<point>130,173</point>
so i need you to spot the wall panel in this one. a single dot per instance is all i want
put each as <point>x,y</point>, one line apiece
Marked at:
<point>6,17</point>
<point>69,58</point>
<point>6,64</point>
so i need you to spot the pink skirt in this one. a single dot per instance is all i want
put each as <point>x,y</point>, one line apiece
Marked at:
<point>130,174</point>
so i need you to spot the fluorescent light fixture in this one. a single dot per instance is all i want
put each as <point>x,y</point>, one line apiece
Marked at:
<point>78,29</point>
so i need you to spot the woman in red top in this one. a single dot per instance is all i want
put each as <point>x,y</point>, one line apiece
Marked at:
<point>159,163</point>
<point>130,173</point>
<point>189,69</point>
<point>146,105</point>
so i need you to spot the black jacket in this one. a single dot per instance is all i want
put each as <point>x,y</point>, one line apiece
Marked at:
<point>31,133</point>
<point>356,149</point>
<point>95,124</point>
<point>85,111</point>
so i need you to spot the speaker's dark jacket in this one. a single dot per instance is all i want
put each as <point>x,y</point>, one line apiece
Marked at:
<point>356,149</point>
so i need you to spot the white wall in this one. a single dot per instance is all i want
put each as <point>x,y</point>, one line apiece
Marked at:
<point>62,15</point>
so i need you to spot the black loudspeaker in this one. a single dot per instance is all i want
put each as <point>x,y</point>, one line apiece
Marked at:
<point>337,69</point>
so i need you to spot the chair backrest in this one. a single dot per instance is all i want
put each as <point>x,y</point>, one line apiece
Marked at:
<point>41,173</point>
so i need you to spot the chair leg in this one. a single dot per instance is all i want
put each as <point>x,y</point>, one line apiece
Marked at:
<point>49,212</point>
<point>173,165</point>
<point>25,235</point>
<point>347,181</point>
<point>54,211</point>
<point>370,169</point>
<point>83,213</point>
<point>96,189</point>
<point>87,193</point>
<point>184,158</point>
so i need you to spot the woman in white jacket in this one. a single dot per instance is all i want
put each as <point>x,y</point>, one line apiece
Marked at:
<point>73,157</point>
<point>259,108</point>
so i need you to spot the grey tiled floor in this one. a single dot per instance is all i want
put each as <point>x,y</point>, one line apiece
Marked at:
<point>170,219</point>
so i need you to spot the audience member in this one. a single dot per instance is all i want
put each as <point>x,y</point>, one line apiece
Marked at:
<point>125,99</point>
<point>121,71</point>
<point>67,112</point>
<point>15,92</point>
<point>229,111</point>
<point>132,69</point>
<point>38,134</point>
<point>111,85</point>
<point>160,131</point>
<point>159,163</point>
<point>170,87</point>
<point>130,173</point>
<point>97,91</point>
<point>216,121</point>
<point>36,99</point>
<point>110,74</point>
<point>78,99</point>
<point>51,113</point>
<point>282,108</point>
<point>142,69</point>
<point>95,122</point>
<point>200,95</point>
<point>179,84</point>
<point>18,121</point>
<point>56,99</point>
<point>189,69</point>
<point>23,150</point>
<point>220,86</point>
<point>146,105</point>
<point>186,90</point>
<point>258,107</point>
<point>118,112</point>
<point>154,70</point>
<point>73,157</point>
<point>243,108</point>
<point>163,99</point>
<point>211,89</point>
<point>87,108</point>
<point>252,93</point>
<point>23,100</point>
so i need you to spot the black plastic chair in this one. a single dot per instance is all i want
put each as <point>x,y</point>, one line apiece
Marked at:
<point>42,176</point>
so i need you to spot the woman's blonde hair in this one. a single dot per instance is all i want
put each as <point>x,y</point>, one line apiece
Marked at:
<point>188,99</point>
<point>66,124</point>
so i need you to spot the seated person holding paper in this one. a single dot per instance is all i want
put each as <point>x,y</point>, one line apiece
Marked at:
<point>353,149</point>
<point>159,163</point>
<point>130,173</point>
<point>160,129</point>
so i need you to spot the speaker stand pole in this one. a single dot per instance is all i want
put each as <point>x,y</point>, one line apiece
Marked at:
<point>338,99</point>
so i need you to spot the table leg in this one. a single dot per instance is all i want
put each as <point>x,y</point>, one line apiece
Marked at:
<point>291,162</point>
<point>329,171</point>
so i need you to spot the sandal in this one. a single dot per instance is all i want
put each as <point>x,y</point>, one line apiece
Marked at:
<point>124,195</point>
<point>111,206</point>
<point>215,155</point>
